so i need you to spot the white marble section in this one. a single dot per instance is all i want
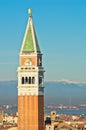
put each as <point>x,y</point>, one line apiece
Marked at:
<point>29,91</point>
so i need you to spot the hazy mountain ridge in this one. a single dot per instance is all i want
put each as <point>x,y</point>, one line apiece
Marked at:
<point>66,81</point>
<point>65,93</point>
<point>55,92</point>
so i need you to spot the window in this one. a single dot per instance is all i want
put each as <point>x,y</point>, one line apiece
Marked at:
<point>29,80</point>
<point>33,80</point>
<point>40,61</point>
<point>22,80</point>
<point>40,80</point>
<point>26,80</point>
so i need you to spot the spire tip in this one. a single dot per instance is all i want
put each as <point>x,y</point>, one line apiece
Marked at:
<point>30,11</point>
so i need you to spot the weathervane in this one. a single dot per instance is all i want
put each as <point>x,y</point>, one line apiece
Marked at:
<point>30,11</point>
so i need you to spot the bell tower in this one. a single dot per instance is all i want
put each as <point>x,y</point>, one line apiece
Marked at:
<point>30,82</point>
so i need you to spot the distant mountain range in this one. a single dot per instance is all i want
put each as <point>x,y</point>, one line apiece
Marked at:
<point>67,81</point>
<point>56,92</point>
<point>61,92</point>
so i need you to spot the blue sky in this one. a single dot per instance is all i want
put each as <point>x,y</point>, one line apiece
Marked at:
<point>61,30</point>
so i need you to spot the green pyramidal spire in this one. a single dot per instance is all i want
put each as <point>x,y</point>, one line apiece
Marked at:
<point>30,42</point>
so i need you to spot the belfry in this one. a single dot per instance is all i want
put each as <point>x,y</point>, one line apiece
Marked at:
<point>30,82</point>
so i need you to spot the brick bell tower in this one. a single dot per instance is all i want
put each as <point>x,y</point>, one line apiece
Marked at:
<point>30,82</point>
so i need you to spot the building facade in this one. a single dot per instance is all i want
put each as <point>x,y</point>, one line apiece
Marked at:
<point>1,117</point>
<point>30,82</point>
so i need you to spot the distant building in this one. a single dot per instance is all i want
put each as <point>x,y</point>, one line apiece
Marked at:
<point>57,124</point>
<point>10,119</point>
<point>1,117</point>
<point>53,115</point>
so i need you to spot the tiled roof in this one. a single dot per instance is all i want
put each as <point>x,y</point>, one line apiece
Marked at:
<point>28,45</point>
<point>30,42</point>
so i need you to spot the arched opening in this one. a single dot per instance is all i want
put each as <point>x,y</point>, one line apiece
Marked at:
<point>40,80</point>
<point>26,80</point>
<point>22,80</point>
<point>29,80</point>
<point>33,80</point>
<point>40,61</point>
